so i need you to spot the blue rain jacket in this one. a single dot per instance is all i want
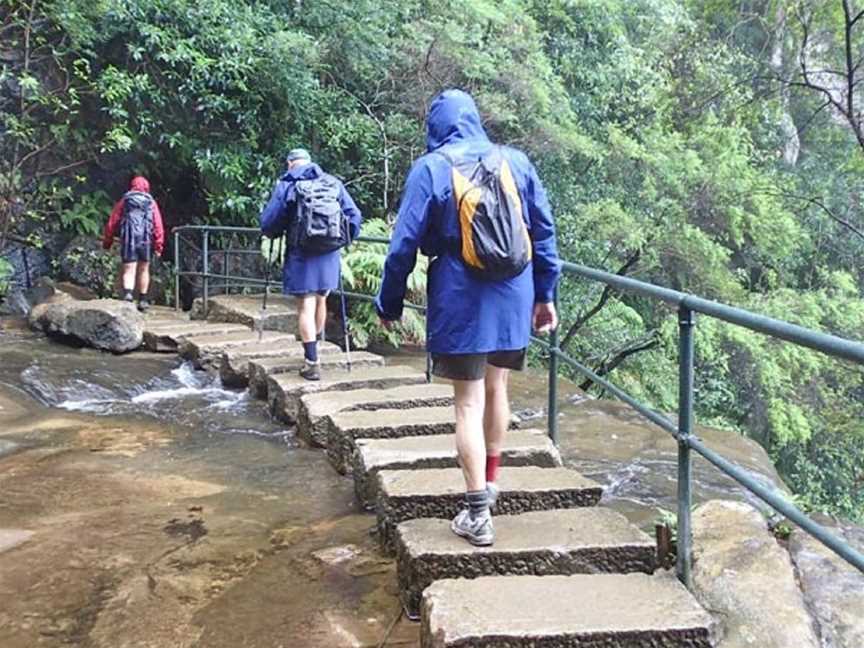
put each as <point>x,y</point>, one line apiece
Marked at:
<point>466,314</point>
<point>304,274</point>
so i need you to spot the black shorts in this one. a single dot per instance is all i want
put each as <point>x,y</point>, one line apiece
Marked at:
<point>136,254</point>
<point>472,366</point>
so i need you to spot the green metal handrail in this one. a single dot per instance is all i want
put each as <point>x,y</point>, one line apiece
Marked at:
<point>683,430</point>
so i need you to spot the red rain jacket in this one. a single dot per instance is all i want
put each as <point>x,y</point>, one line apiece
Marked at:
<point>113,227</point>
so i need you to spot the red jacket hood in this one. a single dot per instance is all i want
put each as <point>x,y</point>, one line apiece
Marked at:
<point>141,184</point>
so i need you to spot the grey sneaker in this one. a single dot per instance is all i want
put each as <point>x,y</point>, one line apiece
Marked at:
<point>478,531</point>
<point>143,305</point>
<point>128,296</point>
<point>492,492</point>
<point>311,371</point>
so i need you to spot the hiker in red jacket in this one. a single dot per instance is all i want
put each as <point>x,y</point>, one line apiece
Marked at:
<point>136,219</point>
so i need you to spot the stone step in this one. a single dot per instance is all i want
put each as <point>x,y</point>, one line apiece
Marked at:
<point>261,370</point>
<point>521,448</point>
<point>346,427</point>
<point>281,313</point>
<point>165,337</point>
<point>234,365</point>
<point>315,409</point>
<point>591,611</point>
<point>540,543</point>
<point>206,352</point>
<point>284,391</point>
<point>440,493</point>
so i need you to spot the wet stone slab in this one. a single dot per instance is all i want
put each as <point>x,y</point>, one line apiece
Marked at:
<point>540,543</point>
<point>284,391</point>
<point>580,611</point>
<point>280,314</point>
<point>344,428</point>
<point>440,493</point>
<point>261,370</point>
<point>166,337</point>
<point>312,424</point>
<point>234,365</point>
<point>206,352</point>
<point>521,448</point>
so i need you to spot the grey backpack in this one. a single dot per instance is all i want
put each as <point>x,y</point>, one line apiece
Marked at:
<point>321,225</point>
<point>137,223</point>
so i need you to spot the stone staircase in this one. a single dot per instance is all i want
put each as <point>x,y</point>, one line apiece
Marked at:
<point>563,571</point>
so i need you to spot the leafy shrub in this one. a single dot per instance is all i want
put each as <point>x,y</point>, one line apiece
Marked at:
<point>362,270</point>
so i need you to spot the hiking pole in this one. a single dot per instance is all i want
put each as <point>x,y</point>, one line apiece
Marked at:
<point>266,291</point>
<point>345,321</point>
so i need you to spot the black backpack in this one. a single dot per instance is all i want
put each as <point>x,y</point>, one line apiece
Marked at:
<point>494,239</point>
<point>321,225</point>
<point>137,223</point>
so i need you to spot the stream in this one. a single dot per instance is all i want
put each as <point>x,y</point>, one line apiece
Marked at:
<point>141,504</point>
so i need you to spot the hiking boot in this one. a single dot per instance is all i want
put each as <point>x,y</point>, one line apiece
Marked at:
<point>311,371</point>
<point>492,492</point>
<point>478,531</point>
<point>128,296</point>
<point>143,305</point>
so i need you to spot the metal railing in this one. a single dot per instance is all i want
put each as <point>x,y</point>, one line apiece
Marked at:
<point>682,430</point>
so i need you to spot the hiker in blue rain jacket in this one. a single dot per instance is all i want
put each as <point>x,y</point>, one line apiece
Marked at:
<point>308,276</point>
<point>477,328</point>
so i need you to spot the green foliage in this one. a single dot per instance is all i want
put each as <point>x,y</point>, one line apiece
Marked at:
<point>87,213</point>
<point>5,276</point>
<point>362,269</point>
<point>663,130</point>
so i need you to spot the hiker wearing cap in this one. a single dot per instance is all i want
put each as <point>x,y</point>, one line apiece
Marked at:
<point>318,217</point>
<point>480,212</point>
<point>137,221</point>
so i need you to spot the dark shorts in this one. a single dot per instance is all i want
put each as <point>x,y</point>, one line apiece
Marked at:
<point>472,366</point>
<point>136,254</point>
<point>320,293</point>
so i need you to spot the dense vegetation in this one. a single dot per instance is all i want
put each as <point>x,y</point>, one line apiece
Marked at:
<point>710,146</point>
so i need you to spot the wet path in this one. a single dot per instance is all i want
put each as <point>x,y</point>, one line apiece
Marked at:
<point>165,511</point>
<point>160,510</point>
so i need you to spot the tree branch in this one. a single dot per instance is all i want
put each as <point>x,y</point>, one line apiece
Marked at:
<point>607,366</point>
<point>604,298</point>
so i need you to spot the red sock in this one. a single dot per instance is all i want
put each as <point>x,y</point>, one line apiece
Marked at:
<point>492,464</point>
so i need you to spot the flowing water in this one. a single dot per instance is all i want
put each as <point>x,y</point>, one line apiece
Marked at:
<point>141,504</point>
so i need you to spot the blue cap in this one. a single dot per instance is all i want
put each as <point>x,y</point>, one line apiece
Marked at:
<point>298,154</point>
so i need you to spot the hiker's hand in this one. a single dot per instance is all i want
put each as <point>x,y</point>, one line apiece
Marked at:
<point>545,318</point>
<point>388,324</point>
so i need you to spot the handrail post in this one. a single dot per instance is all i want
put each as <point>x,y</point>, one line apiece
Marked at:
<point>552,408</point>
<point>686,361</point>
<point>206,252</point>
<point>176,270</point>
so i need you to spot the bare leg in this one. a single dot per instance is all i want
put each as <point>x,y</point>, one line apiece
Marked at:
<point>320,314</point>
<point>496,416</point>
<point>143,278</point>
<point>306,306</point>
<point>470,395</point>
<point>127,275</point>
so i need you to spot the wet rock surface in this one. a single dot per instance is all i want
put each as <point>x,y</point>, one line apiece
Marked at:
<point>315,409</point>
<point>541,543</point>
<point>746,579</point>
<point>106,324</point>
<point>332,361</point>
<point>833,589</point>
<point>521,448</point>
<point>284,391</point>
<point>440,493</point>
<point>614,611</point>
<point>280,314</point>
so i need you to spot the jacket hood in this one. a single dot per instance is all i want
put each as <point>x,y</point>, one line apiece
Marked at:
<point>305,172</point>
<point>453,117</point>
<point>140,183</point>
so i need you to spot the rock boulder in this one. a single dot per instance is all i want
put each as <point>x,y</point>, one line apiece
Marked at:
<point>746,579</point>
<point>833,589</point>
<point>105,324</point>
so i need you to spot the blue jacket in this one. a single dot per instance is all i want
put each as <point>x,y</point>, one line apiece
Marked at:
<point>465,314</point>
<point>305,274</point>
